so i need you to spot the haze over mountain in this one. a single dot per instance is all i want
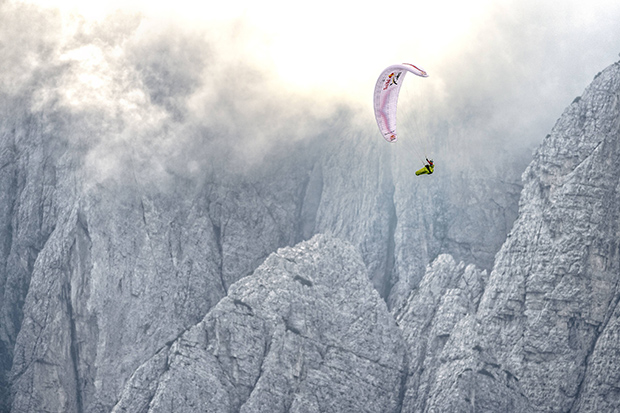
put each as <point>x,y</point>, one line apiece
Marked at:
<point>180,232</point>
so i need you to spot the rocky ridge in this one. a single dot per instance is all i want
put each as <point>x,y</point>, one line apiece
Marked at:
<point>305,332</point>
<point>155,260</point>
<point>113,289</point>
<point>541,337</point>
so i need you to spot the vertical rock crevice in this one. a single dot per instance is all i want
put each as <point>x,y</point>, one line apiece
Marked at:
<point>390,259</point>
<point>313,193</point>
<point>74,346</point>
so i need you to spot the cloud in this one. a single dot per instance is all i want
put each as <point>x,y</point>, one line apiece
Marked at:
<point>149,100</point>
<point>511,76</point>
<point>162,97</point>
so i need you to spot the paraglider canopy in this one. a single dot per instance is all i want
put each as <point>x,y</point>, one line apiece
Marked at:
<point>386,96</point>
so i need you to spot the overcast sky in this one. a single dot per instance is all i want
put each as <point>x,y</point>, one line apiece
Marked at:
<point>310,44</point>
<point>501,72</point>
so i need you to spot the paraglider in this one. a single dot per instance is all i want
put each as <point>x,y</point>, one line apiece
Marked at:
<point>386,94</point>
<point>428,168</point>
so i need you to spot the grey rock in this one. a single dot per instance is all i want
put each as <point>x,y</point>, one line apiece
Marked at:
<point>174,259</point>
<point>449,370</point>
<point>48,360</point>
<point>118,238</point>
<point>357,202</point>
<point>34,169</point>
<point>553,286</point>
<point>371,197</point>
<point>546,321</point>
<point>599,390</point>
<point>305,332</point>
<point>463,210</point>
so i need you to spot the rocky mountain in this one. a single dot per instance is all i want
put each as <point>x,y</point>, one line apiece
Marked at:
<point>148,263</point>
<point>305,332</point>
<point>540,337</point>
<point>97,277</point>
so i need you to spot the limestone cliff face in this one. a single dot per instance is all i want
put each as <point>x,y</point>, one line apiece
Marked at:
<point>553,290</point>
<point>464,213</point>
<point>127,265</point>
<point>305,332</point>
<point>32,168</point>
<point>124,272</point>
<point>128,279</point>
<point>541,338</point>
<point>449,369</point>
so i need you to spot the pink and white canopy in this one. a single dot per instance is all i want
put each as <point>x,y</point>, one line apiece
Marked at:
<point>386,96</point>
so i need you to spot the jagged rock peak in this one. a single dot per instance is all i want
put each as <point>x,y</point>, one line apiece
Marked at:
<point>305,332</point>
<point>446,301</point>
<point>554,287</point>
<point>543,337</point>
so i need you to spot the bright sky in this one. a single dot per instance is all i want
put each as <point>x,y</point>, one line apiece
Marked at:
<point>341,45</point>
<point>312,44</point>
<point>500,70</point>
